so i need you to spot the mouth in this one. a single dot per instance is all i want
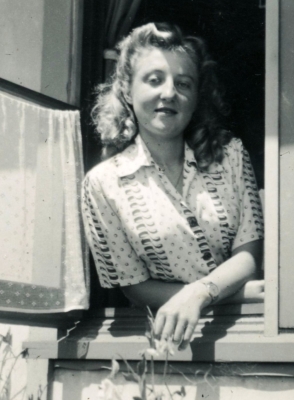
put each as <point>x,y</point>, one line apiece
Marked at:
<point>166,111</point>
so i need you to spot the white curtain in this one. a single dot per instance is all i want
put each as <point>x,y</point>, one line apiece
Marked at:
<point>43,265</point>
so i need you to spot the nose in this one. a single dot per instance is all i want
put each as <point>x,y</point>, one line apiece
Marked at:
<point>168,90</point>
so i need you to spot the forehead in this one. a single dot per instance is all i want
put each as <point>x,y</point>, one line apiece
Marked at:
<point>178,62</point>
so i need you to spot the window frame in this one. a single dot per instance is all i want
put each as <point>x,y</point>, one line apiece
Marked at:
<point>271,204</point>
<point>269,343</point>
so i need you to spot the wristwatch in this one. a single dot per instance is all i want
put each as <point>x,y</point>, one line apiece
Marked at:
<point>212,289</point>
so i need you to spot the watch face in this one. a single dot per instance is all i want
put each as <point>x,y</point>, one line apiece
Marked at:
<point>213,290</point>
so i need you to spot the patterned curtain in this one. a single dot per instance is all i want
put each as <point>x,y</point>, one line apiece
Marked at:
<point>43,265</point>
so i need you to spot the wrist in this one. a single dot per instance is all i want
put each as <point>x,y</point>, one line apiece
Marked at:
<point>212,290</point>
<point>202,293</point>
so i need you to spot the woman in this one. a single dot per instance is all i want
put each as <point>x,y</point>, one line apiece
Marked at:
<point>174,218</point>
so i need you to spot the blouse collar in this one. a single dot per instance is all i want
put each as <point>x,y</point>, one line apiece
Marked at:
<point>133,158</point>
<point>137,155</point>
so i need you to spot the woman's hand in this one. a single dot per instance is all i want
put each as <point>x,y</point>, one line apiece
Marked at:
<point>178,317</point>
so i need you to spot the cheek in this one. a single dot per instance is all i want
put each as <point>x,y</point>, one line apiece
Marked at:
<point>191,105</point>
<point>190,108</point>
<point>143,102</point>
<point>142,110</point>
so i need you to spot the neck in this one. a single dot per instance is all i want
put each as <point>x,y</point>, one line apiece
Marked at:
<point>166,153</point>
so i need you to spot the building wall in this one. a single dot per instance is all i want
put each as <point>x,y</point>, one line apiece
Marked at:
<point>40,46</point>
<point>22,377</point>
<point>86,385</point>
<point>13,367</point>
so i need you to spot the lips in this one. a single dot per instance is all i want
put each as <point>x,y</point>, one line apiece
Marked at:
<point>166,110</point>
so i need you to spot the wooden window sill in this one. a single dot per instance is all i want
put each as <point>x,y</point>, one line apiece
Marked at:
<point>224,334</point>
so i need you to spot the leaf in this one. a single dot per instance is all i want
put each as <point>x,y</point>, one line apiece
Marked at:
<point>131,377</point>
<point>108,390</point>
<point>149,312</point>
<point>8,337</point>
<point>25,353</point>
<point>148,335</point>
<point>150,338</point>
<point>131,374</point>
<point>141,367</point>
<point>114,369</point>
<point>181,392</point>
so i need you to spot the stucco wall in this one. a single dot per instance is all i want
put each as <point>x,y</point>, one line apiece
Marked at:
<point>13,376</point>
<point>40,46</point>
<point>20,377</point>
<point>84,385</point>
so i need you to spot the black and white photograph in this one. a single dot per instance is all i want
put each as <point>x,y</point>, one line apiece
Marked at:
<point>146,199</point>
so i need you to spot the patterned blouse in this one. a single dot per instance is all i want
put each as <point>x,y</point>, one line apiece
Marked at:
<point>139,227</point>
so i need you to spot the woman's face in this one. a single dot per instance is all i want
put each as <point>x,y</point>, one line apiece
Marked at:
<point>163,93</point>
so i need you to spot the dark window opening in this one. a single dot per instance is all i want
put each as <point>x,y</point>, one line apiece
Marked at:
<point>235,34</point>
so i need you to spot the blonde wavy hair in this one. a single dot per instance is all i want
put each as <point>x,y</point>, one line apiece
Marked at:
<point>114,117</point>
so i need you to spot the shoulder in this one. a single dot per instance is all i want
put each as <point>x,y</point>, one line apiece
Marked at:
<point>234,152</point>
<point>234,146</point>
<point>103,177</point>
<point>103,170</point>
<point>106,176</point>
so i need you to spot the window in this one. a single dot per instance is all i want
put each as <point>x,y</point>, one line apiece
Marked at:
<point>278,212</point>
<point>218,348</point>
<point>239,48</point>
<point>38,83</point>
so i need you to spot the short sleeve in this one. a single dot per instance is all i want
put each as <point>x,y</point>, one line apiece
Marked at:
<point>251,216</point>
<point>116,262</point>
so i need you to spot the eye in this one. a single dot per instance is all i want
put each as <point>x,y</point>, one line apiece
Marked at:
<point>154,80</point>
<point>183,85</point>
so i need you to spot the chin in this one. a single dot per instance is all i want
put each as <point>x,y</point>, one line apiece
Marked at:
<point>168,130</point>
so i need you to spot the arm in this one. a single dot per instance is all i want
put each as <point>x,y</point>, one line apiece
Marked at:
<point>155,293</point>
<point>181,305</point>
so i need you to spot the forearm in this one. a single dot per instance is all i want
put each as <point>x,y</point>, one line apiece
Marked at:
<point>152,293</point>
<point>229,277</point>
<point>179,305</point>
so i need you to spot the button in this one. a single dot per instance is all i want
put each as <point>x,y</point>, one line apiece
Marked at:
<point>192,221</point>
<point>206,256</point>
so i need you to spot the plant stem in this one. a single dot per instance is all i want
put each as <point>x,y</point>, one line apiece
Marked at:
<point>169,392</point>
<point>165,366</point>
<point>142,387</point>
<point>152,374</point>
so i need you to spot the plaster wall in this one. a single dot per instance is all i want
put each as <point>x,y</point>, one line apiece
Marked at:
<point>86,385</point>
<point>40,46</point>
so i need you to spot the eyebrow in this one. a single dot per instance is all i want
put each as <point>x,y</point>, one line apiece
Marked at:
<point>180,75</point>
<point>187,76</point>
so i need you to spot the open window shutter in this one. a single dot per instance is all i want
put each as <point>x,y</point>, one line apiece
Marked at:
<point>286,275</point>
<point>43,252</point>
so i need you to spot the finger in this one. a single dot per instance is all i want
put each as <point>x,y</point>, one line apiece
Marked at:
<point>159,324</point>
<point>261,296</point>
<point>187,335</point>
<point>169,327</point>
<point>261,285</point>
<point>180,330</point>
